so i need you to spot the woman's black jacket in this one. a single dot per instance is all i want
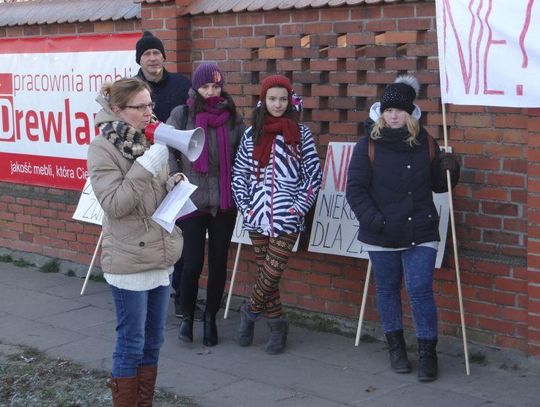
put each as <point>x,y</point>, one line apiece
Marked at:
<point>392,196</point>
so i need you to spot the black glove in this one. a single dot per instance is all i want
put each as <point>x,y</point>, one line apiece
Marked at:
<point>449,161</point>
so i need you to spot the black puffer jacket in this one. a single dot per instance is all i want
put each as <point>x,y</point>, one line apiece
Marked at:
<point>392,199</point>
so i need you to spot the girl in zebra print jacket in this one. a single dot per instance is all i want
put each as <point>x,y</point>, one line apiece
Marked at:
<point>275,180</point>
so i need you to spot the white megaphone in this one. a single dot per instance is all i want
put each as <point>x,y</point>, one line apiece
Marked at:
<point>188,142</point>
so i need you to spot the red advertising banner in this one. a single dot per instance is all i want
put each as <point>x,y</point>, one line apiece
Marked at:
<point>48,88</point>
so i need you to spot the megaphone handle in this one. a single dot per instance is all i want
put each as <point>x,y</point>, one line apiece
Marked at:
<point>150,130</point>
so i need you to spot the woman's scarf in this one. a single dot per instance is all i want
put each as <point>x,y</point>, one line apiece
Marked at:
<point>216,116</point>
<point>127,139</point>
<point>272,127</point>
<point>396,139</point>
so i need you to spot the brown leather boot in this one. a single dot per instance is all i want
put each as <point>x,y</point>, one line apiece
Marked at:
<point>147,382</point>
<point>124,391</point>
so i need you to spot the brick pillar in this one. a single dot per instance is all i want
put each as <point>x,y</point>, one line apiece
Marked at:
<point>533,242</point>
<point>164,19</point>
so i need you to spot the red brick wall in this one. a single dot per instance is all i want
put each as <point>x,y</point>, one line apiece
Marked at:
<point>532,217</point>
<point>339,60</point>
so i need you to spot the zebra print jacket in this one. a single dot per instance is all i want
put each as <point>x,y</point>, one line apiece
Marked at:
<point>275,202</point>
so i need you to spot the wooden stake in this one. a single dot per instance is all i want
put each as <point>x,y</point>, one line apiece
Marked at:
<point>454,241</point>
<point>363,306</point>
<point>92,263</point>
<point>231,286</point>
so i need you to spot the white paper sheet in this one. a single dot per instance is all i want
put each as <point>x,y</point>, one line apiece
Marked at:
<point>175,205</point>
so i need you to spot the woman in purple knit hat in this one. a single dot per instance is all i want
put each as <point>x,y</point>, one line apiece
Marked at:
<point>213,109</point>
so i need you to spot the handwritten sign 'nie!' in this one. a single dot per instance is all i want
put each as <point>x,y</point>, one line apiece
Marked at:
<point>489,53</point>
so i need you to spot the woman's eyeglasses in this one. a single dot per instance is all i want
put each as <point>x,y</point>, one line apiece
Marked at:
<point>142,107</point>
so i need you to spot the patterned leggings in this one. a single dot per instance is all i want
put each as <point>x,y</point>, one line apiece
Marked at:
<point>271,254</point>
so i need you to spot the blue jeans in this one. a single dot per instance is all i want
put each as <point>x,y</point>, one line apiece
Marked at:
<point>416,265</point>
<point>140,328</point>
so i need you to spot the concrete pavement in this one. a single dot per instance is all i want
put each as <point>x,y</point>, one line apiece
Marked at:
<point>318,369</point>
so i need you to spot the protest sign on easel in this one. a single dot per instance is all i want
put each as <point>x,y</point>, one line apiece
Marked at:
<point>89,210</point>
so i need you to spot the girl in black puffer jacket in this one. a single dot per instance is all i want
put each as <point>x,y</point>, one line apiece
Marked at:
<point>392,174</point>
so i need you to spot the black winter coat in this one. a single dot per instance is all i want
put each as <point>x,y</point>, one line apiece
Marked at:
<point>170,91</point>
<point>392,198</point>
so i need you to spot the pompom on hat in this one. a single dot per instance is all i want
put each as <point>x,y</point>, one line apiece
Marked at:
<point>400,94</point>
<point>146,42</point>
<point>207,73</point>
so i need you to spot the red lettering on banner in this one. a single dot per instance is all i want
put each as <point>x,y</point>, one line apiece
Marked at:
<point>18,117</point>
<point>68,122</point>
<point>490,41</point>
<point>339,176</point>
<point>43,126</point>
<point>31,123</point>
<point>54,123</point>
<point>523,34</point>
<point>6,84</point>
<point>473,68</point>
<point>464,72</point>
<point>82,133</point>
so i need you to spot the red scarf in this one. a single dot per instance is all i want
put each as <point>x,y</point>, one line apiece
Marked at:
<point>272,127</point>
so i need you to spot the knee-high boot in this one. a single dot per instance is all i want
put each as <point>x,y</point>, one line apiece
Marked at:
<point>147,383</point>
<point>124,391</point>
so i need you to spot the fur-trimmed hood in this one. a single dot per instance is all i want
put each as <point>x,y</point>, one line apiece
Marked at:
<point>375,112</point>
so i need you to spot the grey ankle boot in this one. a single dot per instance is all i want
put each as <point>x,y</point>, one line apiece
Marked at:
<point>279,328</point>
<point>398,352</point>
<point>247,326</point>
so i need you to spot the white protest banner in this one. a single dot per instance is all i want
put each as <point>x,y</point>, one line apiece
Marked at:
<point>489,53</point>
<point>335,227</point>
<point>88,209</point>
<point>48,88</point>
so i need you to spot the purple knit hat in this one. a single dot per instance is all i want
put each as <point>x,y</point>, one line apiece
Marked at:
<point>206,73</point>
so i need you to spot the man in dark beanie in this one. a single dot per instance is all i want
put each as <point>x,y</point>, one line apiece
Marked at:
<point>168,89</point>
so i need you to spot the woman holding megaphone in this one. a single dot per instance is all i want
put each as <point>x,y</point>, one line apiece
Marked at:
<point>129,177</point>
<point>212,109</point>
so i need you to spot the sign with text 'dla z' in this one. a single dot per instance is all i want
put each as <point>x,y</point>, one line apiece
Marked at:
<point>48,87</point>
<point>335,227</point>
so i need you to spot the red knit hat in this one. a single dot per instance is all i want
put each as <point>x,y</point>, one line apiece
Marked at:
<point>273,81</point>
